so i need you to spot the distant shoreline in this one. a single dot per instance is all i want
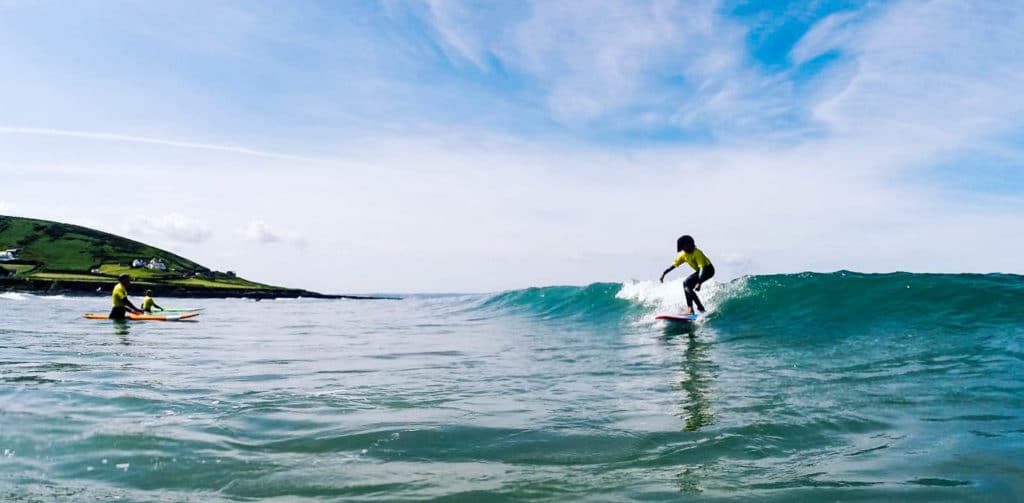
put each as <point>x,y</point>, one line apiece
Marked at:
<point>103,288</point>
<point>53,258</point>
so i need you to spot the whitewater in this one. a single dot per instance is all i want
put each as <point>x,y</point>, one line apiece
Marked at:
<point>804,387</point>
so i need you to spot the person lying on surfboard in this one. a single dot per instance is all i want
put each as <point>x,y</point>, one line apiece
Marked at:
<point>120,299</point>
<point>148,303</point>
<point>689,253</point>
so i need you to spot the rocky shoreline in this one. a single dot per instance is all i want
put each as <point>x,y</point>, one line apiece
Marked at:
<point>91,288</point>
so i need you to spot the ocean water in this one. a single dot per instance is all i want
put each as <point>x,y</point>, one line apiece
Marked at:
<point>810,387</point>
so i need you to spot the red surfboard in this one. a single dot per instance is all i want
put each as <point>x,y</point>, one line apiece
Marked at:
<point>677,318</point>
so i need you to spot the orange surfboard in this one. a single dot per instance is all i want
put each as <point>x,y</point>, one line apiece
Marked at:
<point>146,317</point>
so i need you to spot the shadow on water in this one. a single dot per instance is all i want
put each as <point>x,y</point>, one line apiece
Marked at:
<point>673,329</point>
<point>696,378</point>
<point>697,372</point>
<point>122,330</point>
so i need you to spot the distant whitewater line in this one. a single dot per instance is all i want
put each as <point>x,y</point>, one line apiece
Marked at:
<point>17,296</point>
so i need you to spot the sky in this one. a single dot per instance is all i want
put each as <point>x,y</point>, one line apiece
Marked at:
<point>445,146</point>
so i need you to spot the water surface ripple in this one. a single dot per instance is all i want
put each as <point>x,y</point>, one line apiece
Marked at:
<point>535,395</point>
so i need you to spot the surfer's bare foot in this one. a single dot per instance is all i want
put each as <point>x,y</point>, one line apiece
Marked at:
<point>687,312</point>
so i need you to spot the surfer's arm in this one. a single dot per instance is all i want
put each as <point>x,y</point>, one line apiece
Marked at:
<point>701,277</point>
<point>670,268</point>
<point>157,306</point>
<point>131,306</point>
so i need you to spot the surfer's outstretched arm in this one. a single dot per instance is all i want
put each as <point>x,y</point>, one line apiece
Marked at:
<point>131,306</point>
<point>662,279</point>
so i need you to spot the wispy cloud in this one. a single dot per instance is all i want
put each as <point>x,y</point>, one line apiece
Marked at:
<point>173,226</point>
<point>448,18</point>
<point>259,231</point>
<point>645,66</point>
<point>896,89</point>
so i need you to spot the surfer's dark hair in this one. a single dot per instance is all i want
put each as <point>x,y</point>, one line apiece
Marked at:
<point>685,243</point>
<point>124,277</point>
<point>149,292</point>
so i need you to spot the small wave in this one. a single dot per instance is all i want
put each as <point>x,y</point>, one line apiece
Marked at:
<point>595,302</point>
<point>845,296</point>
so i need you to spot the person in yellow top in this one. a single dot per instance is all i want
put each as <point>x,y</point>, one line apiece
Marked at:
<point>689,253</point>
<point>120,299</point>
<point>148,303</point>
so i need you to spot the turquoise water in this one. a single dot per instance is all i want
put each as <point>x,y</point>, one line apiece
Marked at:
<point>815,387</point>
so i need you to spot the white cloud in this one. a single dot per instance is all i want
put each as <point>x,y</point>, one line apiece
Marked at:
<point>261,232</point>
<point>486,214</point>
<point>174,226</point>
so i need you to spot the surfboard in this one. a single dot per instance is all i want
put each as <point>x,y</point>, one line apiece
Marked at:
<point>146,317</point>
<point>677,318</point>
<point>181,310</point>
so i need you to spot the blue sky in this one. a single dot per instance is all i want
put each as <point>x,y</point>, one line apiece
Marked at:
<point>460,146</point>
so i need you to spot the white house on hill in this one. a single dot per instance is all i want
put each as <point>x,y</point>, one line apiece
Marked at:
<point>9,254</point>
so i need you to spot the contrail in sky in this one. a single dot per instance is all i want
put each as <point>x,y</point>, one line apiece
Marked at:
<point>152,141</point>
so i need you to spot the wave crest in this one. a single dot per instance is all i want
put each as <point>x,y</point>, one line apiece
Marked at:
<point>798,301</point>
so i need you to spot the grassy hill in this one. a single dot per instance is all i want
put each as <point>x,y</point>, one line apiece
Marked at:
<point>71,257</point>
<point>71,248</point>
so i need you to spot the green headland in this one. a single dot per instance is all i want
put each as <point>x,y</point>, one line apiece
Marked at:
<point>51,257</point>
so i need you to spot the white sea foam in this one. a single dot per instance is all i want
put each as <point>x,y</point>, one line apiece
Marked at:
<point>28,296</point>
<point>668,297</point>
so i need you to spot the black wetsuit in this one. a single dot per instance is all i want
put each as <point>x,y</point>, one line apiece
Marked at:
<point>118,313</point>
<point>691,281</point>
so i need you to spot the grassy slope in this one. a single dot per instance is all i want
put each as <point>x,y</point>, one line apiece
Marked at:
<point>65,247</point>
<point>69,252</point>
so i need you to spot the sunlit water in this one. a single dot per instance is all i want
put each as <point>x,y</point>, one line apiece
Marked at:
<point>547,394</point>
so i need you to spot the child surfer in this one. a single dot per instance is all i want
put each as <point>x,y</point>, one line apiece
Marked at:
<point>148,303</point>
<point>689,253</point>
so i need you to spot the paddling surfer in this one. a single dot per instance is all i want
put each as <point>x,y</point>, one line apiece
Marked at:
<point>119,299</point>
